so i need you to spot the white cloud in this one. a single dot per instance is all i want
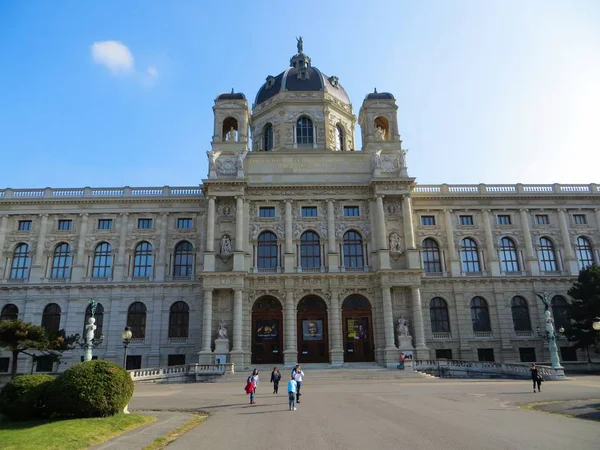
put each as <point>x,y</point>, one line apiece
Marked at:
<point>114,55</point>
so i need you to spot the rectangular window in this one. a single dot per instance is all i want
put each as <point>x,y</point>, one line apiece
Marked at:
<point>309,211</point>
<point>427,220</point>
<point>105,224</point>
<point>44,364</point>
<point>176,360</point>
<point>351,211</point>
<point>542,219</point>
<point>145,224</point>
<point>65,225</point>
<point>568,354</point>
<point>579,219</point>
<point>485,354</point>
<point>466,220</point>
<point>134,362</point>
<point>4,363</point>
<point>184,224</point>
<point>266,211</point>
<point>504,219</point>
<point>527,354</point>
<point>444,353</point>
<point>24,225</point>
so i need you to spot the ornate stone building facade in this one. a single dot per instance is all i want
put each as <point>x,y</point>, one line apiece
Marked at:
<point>298,247</point>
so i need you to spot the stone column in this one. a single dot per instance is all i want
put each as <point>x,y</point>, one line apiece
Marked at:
<point>531,262</point>
<point>37,269</point>
<point>3,227</point>
<point>238,256</point>
<point>390,352</point>
<point>412,256</point>
<point>205,355</point>
<point>161,267</point>
<point>332,253</point>
<point>337,350</point>
<point>209,255</point>
<point>288,257</point>
<point>290,353</point>
<point>492,257</point>
<point>570,262</point>
<point>237,356</point>
<point>79,267</point>
<point>120,269</point>
<point>384,255</point>
<point>421,347</point>
<point>454,266</point>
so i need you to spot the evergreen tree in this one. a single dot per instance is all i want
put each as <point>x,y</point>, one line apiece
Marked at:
<point>584,309</point>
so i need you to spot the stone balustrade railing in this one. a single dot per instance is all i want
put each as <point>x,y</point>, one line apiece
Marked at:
<point>475,369</point>
<point>504,189</point>
<point>183,372</point>
<point>88,192</point>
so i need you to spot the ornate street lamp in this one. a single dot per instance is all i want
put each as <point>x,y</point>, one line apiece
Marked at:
<point>550,336</point>
<point>596,324</point>
<point>126,335</point>
<point>90,341</point>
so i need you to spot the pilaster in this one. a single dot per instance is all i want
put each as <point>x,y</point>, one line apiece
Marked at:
<point>3,228</point>
<point>337,351</point>
<point>238,255</point>
<point>383,252</point>
<point>332,253</point>
<point>421,347</point>
<point>161,267</point>
<point>288,262</point>
<point>37,269</point>
<point>531,260</point>
<point>570,259</point>
<point>290,353</point>
<point>120,270</point>
<point>205,354</point>
<point>391,352</point>
<point>209,254</point>
<point>492,257</point>
<point>454,266</point>
<point>237,353</point>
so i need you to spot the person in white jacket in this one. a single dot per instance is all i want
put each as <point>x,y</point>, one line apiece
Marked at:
<point>299,377</point>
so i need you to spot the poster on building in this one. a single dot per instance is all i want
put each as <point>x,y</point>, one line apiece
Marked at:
<point>357,329</point>
<point>312,330</point>
<point>267,330</point>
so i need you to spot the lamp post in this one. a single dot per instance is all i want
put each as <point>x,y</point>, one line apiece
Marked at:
<point>90,341</point>
<point>126,335</point>
<point>596,324</point>
<point>550,336</point>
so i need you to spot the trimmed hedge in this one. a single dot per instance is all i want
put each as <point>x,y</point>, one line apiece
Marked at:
<point>23,398</point>
<point>90,389</point>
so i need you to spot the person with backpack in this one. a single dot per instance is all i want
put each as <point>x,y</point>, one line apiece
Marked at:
<point>292,386</point>
<point>299,377</point>
<point>275,377</point>
<point>251,385</point>
<point>536,378</point>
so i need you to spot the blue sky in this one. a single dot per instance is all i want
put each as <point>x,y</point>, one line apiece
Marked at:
<point>492,91</point>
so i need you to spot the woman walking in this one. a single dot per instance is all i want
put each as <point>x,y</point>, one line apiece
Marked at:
<point>275,377</point>
<point>251,385</point>
<point>536,378</point>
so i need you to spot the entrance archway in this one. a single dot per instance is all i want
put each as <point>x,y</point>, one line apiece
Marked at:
<point>267,331</point>
<point>313,339</point>
<point>358,329</point>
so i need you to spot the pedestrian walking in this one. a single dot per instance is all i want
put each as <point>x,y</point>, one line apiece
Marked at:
<point>536,378</point>
<point>299,377</point>
<point>292,386</point>
<point>275,377</point>
<point>251,385</point>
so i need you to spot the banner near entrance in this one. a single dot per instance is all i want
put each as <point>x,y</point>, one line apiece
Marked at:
<point>357,329</point>
<point>267,330</point>
<point>312,330</point>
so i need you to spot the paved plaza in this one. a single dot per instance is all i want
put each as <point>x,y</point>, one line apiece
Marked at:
<point>358,409</point>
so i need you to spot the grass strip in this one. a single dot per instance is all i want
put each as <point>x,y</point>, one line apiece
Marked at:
<point>72,434</point>
<point>163,441</point>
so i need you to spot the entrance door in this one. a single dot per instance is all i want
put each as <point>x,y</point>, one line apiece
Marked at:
<point>267,331</point>
<point>358,329</point>
<point>313,339</point>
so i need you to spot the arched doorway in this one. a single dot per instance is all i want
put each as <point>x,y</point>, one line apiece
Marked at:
<point>358,329</point>
<point>267,331</point>
<point>313,339</point>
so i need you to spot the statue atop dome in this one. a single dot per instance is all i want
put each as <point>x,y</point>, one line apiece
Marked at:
<point>299,44</point>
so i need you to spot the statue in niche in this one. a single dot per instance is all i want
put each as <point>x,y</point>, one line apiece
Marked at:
<point>379,133</point>
<point>402,328</point>
<point>225,245</point>
<point>231,135</point>
<point>222,332</point>
<point>239,162</point>
<point>377,159</point>
<point>300,45</point>
<point>395,243</point>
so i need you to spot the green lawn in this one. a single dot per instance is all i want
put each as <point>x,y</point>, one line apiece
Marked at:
<point>66,434</point>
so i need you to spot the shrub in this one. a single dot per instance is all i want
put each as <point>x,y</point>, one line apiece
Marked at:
<point>91,389</point>
<point>23,398</point>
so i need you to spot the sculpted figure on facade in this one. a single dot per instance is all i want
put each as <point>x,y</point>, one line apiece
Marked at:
<point>402,157</point>
<point>212,159</point>
<point>241,156</point>
<point>377,159</point>
<point>300,44</point>
<point>395,243</point>
<point>225,246</point>
<point>231,135</point>
<point>222,332</point>
<point>379,133</point>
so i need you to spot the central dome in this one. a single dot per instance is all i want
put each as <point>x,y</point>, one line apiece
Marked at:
<point>303,77</point>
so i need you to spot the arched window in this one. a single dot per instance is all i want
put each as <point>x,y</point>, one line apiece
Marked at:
<point>480,315</point>
<point>469,254</point>
<point>430,253</point>
<point>585,253</point>
<point>547,256</point>
<point>339,138</point>
<point>102,267</point>
<point>438,313</point>
<point>142,260</point>
<point>99,316</point>
<point>179,320</point>
<point>310,250</point>
<point>51,319</point>
<point>304,131</point>
<point>9,312</point>
<point>61,262</point>
<point>560,312</point>
<point>508,255</point>
<point>267,137</point>
<point>520,314</point>
<point>184,260</point>
<point>267,250</point>
<point>136,319</point>
<point>353,250</point>
<point>20,263</point>
<point>230,129</point>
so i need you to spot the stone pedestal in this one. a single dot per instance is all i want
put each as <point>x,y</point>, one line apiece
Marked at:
<point>391,357</point>
<point>222,350</point>
<point>237,358</point>
<point>405,344</point>
<point>205,357</point>
<point>337,357</point>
